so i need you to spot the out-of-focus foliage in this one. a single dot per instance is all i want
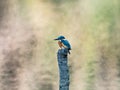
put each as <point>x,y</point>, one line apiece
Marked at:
<point>28,51</point>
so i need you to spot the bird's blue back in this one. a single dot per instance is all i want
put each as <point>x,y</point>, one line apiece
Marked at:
<point>66,43</point>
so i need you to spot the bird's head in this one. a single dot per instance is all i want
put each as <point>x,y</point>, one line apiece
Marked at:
<point>60,38</point>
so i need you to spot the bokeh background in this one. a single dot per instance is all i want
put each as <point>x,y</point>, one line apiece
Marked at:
<point>28,52</point>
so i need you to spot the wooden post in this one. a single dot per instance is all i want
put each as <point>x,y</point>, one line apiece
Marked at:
<point>62,57</point>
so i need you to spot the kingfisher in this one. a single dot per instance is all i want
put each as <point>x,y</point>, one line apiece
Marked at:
<point>64,41</point>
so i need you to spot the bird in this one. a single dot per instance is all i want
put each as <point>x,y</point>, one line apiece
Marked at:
<point>64,41</point>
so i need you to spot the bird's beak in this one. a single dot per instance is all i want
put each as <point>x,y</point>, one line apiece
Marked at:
<point>56,39</point>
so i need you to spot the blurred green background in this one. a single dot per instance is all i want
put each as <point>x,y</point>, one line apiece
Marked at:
<point>28,52</point>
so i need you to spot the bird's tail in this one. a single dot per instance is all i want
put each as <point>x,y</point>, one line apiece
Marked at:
<point>69,50</point>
